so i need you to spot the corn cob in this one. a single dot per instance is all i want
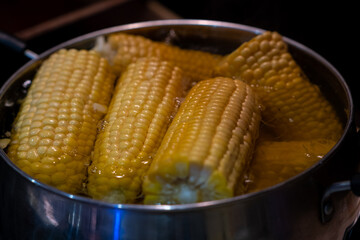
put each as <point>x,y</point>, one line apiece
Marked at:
<point>207,147</point>
<point>294,107</point>
<point>275,162</point>
<point>139,113</point>
<point>196,65</point>
<point>54,131</point>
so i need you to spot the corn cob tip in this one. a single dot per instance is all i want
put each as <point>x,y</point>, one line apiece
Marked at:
<point>212,188</point>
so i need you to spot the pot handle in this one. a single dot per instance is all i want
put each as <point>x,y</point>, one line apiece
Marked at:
<point>353,185</point>
<point>16,45</point>
<point>327,208</point>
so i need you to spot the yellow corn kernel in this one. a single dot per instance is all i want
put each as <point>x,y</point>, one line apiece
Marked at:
<point>208,146</point>
<point>294,107</point>
<point>44,138</point>
<point>140,111</point>
<point>196,65</point>
<point>275,162</point>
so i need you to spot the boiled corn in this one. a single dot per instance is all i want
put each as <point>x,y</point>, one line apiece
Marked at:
<point>143,104</point>
<point>208,146</point>
<point>294,107</point>
<point>54,131</point>
<point>196,65</point>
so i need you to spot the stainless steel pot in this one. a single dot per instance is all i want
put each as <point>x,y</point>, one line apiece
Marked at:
<point>311,205</point>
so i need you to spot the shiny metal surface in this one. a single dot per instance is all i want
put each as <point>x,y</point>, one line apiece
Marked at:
<point>290,210</point>
<point>326,206</point>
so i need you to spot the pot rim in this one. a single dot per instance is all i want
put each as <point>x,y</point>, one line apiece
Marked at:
<point>189,206</point>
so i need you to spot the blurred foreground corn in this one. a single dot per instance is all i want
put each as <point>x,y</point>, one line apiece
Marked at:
<point>275,162</point>
<point>208,146</point>
<point>196,65</point>
<point>294,107</point>
<point>140,111</point>
<point>54,131</point>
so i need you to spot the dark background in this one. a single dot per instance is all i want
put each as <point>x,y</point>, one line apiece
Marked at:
<point>329,28</point>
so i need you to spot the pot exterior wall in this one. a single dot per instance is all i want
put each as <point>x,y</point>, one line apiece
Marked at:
<point>289,212</point>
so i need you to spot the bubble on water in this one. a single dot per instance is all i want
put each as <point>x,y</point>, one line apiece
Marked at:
<point>179,100</point>
<point>101,125</point>
<point>171,37</point>
<point>26,84</point>
<point>9,103</point>
<point>119,176</point>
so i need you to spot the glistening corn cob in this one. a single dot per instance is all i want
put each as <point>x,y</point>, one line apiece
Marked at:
<point>54,131</point>
<point>140,111</point>
<point>275,162</point>
<point>294,107</point>
<point>196,65</point>
<point>208,146</point>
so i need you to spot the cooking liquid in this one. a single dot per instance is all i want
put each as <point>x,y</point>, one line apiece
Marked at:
<point>276,161</point>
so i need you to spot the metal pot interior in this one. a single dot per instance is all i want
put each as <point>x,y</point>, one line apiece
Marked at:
<point>212,36</point>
